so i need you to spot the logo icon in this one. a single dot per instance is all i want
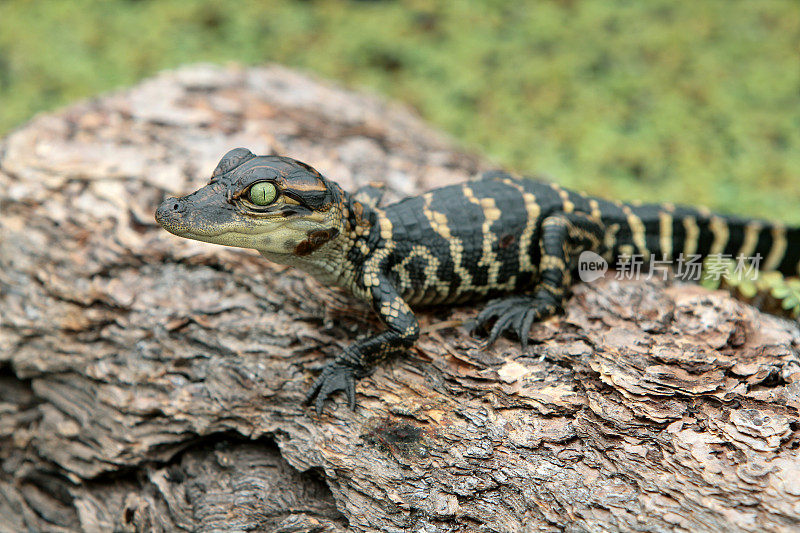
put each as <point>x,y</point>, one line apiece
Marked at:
<point>591,266</point>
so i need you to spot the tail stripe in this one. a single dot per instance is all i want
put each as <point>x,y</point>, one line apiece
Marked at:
<point>721,232</point>
<point>751,231</point>
<point>778,249</point>
<point>637,230</point>
<point>673,232</point>
<point>665,234</point>
<point>691,237</point>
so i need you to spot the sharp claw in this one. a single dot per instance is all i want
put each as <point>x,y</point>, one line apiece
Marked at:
<point>313,391</point>
<point>499,327</point>
<point>494,310</point>
<point>518,318</point>
<point>475,326</point>
<point>516,313</point>
<point>525,328</point>
<point>487,314</point>
<point>351,394</point>
<point>493,335</point>
<point>334,377</point>
<point>318,405</point>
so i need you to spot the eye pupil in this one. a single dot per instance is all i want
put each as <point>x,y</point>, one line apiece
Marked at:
<point>262,193</point>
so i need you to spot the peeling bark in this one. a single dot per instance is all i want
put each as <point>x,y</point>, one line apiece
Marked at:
<point>153,383</point>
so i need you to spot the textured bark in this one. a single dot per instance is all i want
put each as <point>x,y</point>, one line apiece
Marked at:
<point>153,383</point>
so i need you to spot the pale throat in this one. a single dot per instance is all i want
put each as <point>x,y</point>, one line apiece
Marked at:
<point>326,264</point>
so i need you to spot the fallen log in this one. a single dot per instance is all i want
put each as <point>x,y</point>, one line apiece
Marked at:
<point>151,383</point>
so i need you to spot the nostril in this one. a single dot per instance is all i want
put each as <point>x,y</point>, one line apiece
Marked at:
<point>175,206</point>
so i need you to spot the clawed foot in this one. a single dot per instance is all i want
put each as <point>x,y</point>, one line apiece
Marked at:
<point>516,314</point>
<point>335,376</point>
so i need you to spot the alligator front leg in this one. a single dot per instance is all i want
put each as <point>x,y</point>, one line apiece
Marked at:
<point>356,359</point>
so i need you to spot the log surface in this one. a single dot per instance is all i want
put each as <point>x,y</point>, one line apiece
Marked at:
<point>150,383</point>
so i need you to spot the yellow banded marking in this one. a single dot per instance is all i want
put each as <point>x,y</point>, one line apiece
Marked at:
<point>637,230</point>
<point>692,235</point>
<point>778,249</point>
<point>430,278</point>
<point>488,258</point>
<point>751,232</point>
<point>578,233</point>
<point>721,233</point>
<point>438,222</point>
<point>549,287</point>
<point>595,210</point>
<point>566,204</point>
<point>626,252</point>
<point>386,228</point>
<point>555,220</point>
<point>371,269</point>
<point>551,261</point>
<point>610,240</point>
<point>665,233</point>
<point>394,309</point>
<point>533,211</point>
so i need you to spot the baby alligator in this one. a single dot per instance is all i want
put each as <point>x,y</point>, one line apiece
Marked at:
<point>497,235</point>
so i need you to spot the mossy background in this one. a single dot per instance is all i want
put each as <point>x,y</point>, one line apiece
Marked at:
<point>695,102</point>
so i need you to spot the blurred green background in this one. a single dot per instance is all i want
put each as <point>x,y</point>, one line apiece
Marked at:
<point>695,102</point>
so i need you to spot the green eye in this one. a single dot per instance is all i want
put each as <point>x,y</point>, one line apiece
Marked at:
<point>263,193</point>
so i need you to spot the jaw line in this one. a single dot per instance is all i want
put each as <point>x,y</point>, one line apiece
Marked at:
<point>205,235</point>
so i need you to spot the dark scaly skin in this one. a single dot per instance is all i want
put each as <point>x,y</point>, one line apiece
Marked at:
<point>498,235</point>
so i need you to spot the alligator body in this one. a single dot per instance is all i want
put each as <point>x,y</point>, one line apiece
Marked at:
<point>497,236</point>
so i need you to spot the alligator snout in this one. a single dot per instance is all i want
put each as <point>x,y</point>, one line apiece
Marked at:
<point>170,213</point>
<point>169,208</point>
